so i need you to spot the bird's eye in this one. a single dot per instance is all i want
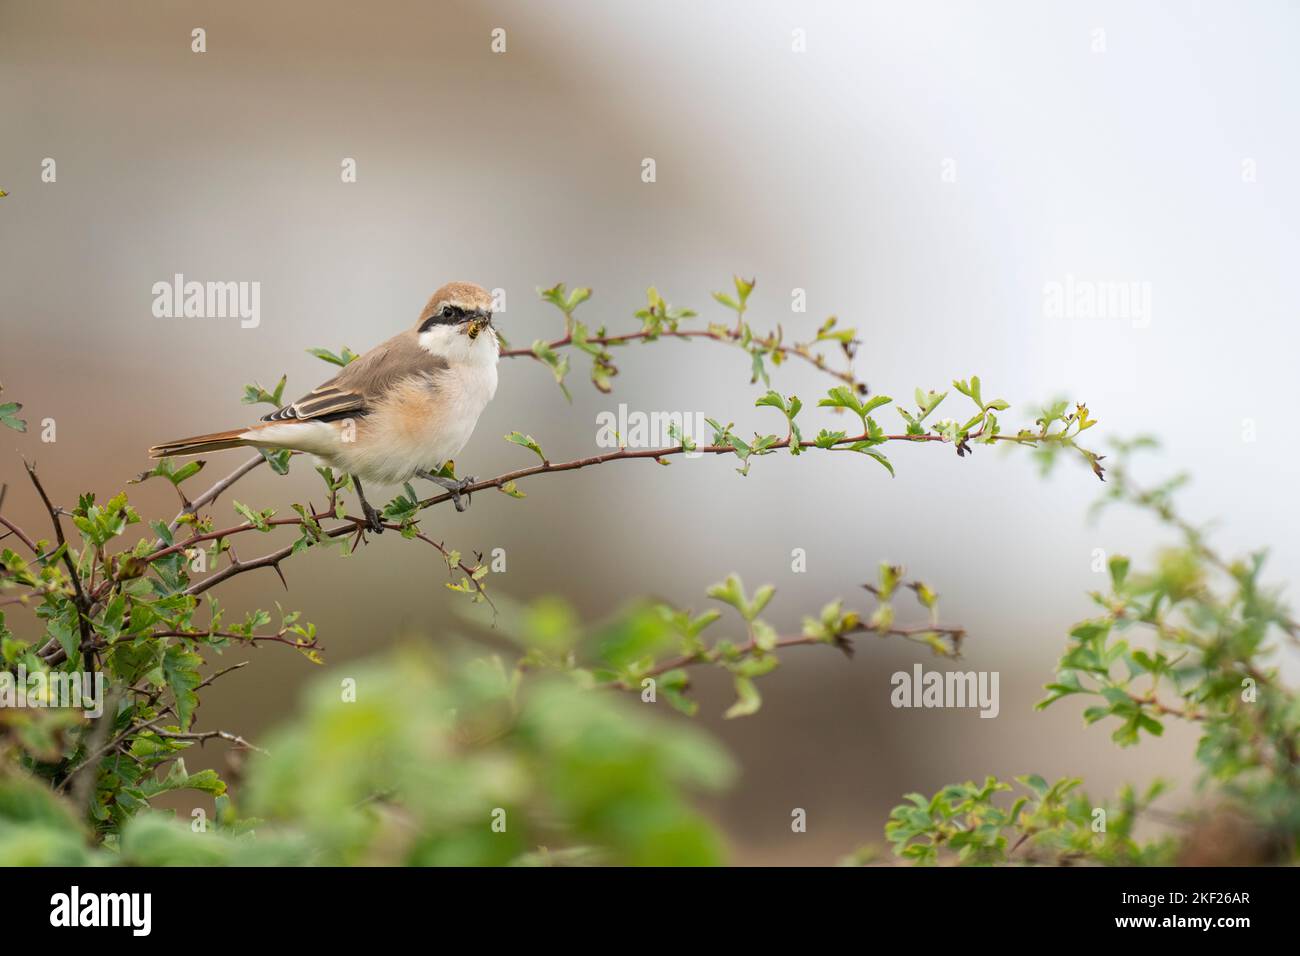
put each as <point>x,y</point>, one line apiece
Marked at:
<point>448,312</point>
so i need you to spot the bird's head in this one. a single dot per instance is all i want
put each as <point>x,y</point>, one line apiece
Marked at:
<point>457,309</point>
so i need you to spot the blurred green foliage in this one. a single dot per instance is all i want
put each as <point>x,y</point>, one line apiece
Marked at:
<point>1193,638</point>
<point>419,759</point>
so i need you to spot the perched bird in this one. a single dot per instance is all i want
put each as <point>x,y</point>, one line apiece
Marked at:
<point>397,412</point>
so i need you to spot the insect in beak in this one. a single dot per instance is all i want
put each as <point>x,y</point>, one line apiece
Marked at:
<point>477,324</point>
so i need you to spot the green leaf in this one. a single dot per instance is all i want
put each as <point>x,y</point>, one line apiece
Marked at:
<point>526,441</point>
<point>743,288</point>
<point>864,448</point>
<point>829,333</point>
<point>676,434</point>
<point>9,416</point>
<point>1035,783</point>
<point>732,591</point>
<point>564,300</point>
<point>577,297</point>
<point>748,700</point>
<point>927,402</point>
<point>1090,630</point>
<point>258,519</point>
<point>189,470</point>
<point>65,629</point>
<point>971,390</point>
<point>343,359</point>
<point>557,363</point>
<point>181,674</point>
<point>111,622</point>
<point>841,396</point>
<point>178,778</point>
<point>1118,571</point>
<point>256,395</point>
<point>1150,725</point>
<point>404,508</point>
<point>721,434</point>
<point>674,684</point>
<point>874,402</point>
<point>278,459</point>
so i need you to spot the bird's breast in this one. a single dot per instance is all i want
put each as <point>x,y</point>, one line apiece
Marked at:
<point>422,422</point>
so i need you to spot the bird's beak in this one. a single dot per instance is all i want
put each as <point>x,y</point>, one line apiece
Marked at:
<point>478,323</point>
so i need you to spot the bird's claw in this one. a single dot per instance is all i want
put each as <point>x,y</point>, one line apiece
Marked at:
<point>456,487</point>
<point>459,496</point>
<point>374,520</point>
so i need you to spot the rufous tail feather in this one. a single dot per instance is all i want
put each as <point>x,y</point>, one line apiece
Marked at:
<point>199,444</point>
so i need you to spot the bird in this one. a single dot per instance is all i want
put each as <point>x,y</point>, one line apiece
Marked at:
<point>399,411</point>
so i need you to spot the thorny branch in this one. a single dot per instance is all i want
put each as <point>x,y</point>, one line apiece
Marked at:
<point>82,604</point>
<point>707,656</point>
<point>354,525</point>
<point>770,344</point>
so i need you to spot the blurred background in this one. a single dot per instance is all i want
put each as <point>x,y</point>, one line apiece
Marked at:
<point>922,170</point>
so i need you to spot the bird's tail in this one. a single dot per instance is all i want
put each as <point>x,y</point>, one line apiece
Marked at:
<point>200,444</point>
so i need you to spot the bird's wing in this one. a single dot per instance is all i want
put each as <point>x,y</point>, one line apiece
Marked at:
<point>364,381</point>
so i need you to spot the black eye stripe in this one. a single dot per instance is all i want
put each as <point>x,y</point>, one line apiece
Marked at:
<point>447,315</point>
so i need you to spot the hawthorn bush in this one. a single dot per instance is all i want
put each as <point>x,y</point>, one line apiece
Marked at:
<point>1192,638</point>
<point>438,756</point>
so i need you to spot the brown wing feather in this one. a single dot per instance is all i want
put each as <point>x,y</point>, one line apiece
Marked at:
<point>326,400</point>
<point>363,381</point>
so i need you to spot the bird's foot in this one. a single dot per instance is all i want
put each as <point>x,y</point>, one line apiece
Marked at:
<point>374,519</point>
<point>459,497</point>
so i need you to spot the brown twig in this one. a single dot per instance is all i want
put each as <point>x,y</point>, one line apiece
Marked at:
<point>277,638</point>
<point>708,656</point>
<point>356,525</point>
<point>83,605</point>
<point>730,336</point>
<point>20,535</point>
<point>203,736</point>
<point>219,674</point>
<point>215,491</point>
<point>628,454</point>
